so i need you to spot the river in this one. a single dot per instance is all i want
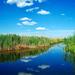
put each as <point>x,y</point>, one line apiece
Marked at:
<point>55,61</point>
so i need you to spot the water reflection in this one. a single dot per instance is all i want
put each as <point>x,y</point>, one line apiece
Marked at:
<point>50,62</point>
<point>7,57</point>
<point>22,73</point>
<point>70,57</point>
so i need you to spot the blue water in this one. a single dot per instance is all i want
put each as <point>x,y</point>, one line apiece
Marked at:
<point>50,62</point>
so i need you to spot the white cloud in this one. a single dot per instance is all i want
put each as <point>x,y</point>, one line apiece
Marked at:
<point>40,28</point>
<point>43,12</point>
<point>26,21</point>
<point>11,1</point>
<point>40,1</point>
<point>23,3</point>
<point>31,9</point>
<point>19,24</point>
<point>29,23</point>
<point>62,14</point>
<point>25,18</point>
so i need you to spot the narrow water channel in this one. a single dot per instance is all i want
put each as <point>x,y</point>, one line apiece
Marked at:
<point>54,61</point>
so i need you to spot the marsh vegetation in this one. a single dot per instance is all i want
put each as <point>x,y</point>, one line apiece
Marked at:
<point>13,47</point>
<point>70,44</point>
<point>16,42</point>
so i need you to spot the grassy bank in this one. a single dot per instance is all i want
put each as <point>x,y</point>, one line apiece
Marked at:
<point>70,43</point>
<point>13,47</point>
<point>16,42</point>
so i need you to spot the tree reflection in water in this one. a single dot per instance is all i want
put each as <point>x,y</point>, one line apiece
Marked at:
<point>70,57</point>
<point>7,57</point>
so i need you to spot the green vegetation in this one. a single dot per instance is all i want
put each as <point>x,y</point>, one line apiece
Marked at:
<point>16,42</point>
<point>13,47</point>
<point>70,49</point>
<point>8,42</point>
<point>70,43</point>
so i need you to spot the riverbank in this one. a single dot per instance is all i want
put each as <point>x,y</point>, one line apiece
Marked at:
<point>70,44</point>
<point>14,43</point>
<point>24,49</point>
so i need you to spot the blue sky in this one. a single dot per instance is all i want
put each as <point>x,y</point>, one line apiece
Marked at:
<point>52,18</point>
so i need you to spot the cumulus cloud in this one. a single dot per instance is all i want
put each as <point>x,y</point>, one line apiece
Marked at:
<point>29,23</point>
<point>23,3</point>
<point>26,21</point>
<point>25,18</point>
<point>11,1</point>
<point>43,12</point>
<point>31,9</point>
<point>40,28</point>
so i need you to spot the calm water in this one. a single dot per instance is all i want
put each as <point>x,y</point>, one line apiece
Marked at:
<point>55,61</point>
